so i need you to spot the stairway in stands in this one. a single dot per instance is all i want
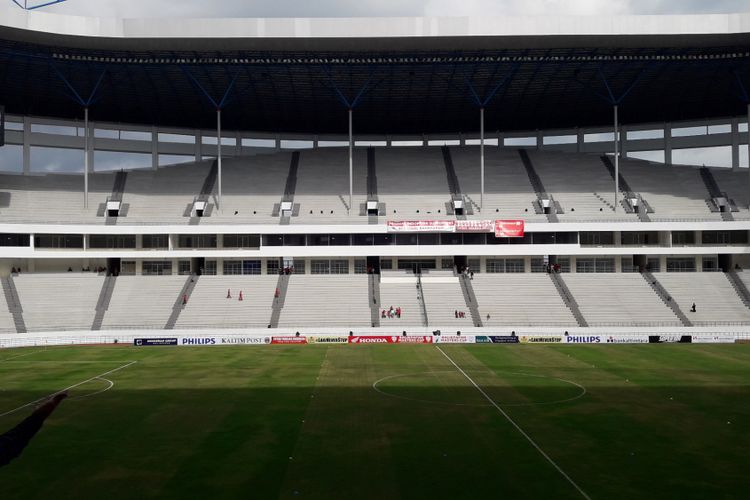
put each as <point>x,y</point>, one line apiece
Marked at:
<point>536,183</point>
<point>568,298</point>
<point>278,302</point>
<point>205,194</point>
<point>105,297</point>
<point>373,288</point>
<point>625,191</point>
<point>421,300</point>
<point>739,287</point>
<point>372,187</point>
<point>289,190</point>
<point>118,189</point>
<point>180,302</point>
<point>470,298</point>
<point>659,290</point>
<point>715,192</point>
<point>14,303</point>
<point>454,186</point>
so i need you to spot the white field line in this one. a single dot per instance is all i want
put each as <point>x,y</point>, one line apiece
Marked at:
<point>67,389</point>
<point>518,428</point>
<point>20,355</point>
<point>111,385</point>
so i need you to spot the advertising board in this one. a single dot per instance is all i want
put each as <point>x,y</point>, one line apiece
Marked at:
<point>155,341</point>
<point>289,339</point>
<point>374,339</point>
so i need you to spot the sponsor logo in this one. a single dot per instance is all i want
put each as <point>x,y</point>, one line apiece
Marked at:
<point>327,339</point>
<point>482,339</point>
<point>713,339</point>
<point>475,226</point>
<point>503,339</point>
<point>626,339</point>
<point>415,340</point>
<point>455,339</point>
<point>289,340</point>
<point>375,339</point>
<point>158,341</point>
<point>422,226</point>
<point>244,340</point>
<point>582,339</point>
<point>509,228</point>
<point>198,341</point>
<point>547,339</point>
<point>672,338</point>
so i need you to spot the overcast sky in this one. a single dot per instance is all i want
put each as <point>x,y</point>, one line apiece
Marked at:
<point>354,8</point>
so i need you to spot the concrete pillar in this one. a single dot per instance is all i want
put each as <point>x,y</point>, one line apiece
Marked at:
<point>699,263</point>
<point>580,140</point>
<point>154,149</point>
<point>198,145</point>
<point>618,263</point>
<point>26,145</point>
<point>539,139</point>
<point>572,263</point>
<point>139,267</point>
<point>663,263</point>
<point>667,143</point>
<point>527,264</point>
<point>735,144</point>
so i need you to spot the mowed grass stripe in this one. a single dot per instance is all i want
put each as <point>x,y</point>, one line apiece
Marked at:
<point>183,425</point>
<point>358,443</point>
<point>222,422</point>
<point>629,437</point>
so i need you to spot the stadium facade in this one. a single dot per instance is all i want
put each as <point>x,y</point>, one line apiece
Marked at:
<point>233,149</point>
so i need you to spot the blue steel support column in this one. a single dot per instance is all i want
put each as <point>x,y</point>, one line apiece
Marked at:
<point>85,103</point>
<point>350,105</point>
<point>86,157</point>
<point>481,158</point>
<point>218,156</point>
<point>617,161</point>
<point>351,164</point>
<point>218,106</point>
<point>482,103</point>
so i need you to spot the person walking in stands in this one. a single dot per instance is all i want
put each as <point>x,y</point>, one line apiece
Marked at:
<point>277,293</point>
<point>184,299</point>
<point>455,313</point>
<point>398,312</point>
<point>241,298</point>
<point>382,313</point>
<point>229,293</point>
<point>471,274</point>
<point>692,309</point>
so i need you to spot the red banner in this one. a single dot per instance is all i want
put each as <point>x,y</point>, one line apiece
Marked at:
<point>422,226</point>
<point>374,339</point>
<point>415,340</point>
<point>289,340</point>
<point>509,228</point>
<point>474,226</point>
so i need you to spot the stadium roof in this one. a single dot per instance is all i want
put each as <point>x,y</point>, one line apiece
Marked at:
<point>401,75</point>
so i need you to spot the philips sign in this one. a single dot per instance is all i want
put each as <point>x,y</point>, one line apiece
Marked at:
<point>583,339</point>
<point>198,341</point>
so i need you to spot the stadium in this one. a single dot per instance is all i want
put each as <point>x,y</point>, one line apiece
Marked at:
<point>203,220</point>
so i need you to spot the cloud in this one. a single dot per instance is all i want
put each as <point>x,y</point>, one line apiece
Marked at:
<point>387,8</point>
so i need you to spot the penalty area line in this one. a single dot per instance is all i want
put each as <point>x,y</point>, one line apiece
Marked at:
<point>514,424</point>
<point>68,388</point>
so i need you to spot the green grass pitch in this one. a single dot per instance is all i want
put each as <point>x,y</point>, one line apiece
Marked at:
<point>382,422</point>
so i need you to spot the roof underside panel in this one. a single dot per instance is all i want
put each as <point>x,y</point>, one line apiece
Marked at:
<point>391,92</point>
